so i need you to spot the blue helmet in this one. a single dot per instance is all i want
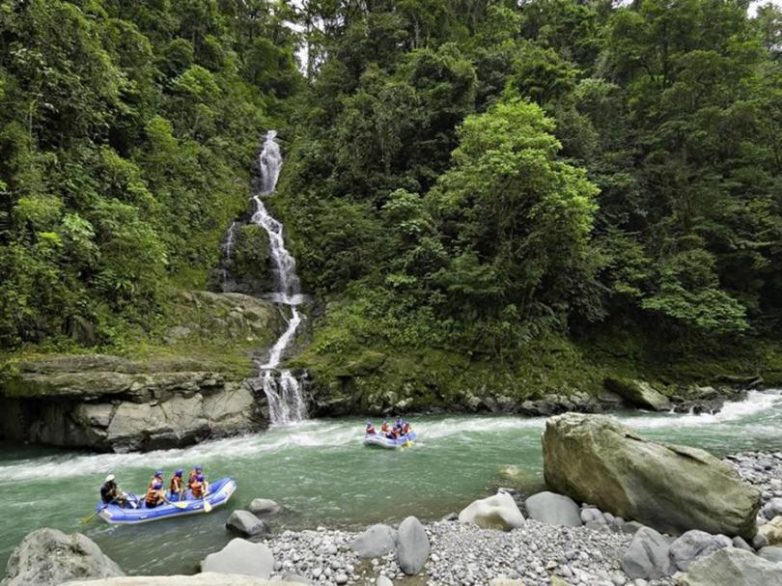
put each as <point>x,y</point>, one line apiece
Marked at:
<point>157,485</point>
<point>200,478</point>
<point>158,473</point>
<point>179,472</point>
<point>199,468</point>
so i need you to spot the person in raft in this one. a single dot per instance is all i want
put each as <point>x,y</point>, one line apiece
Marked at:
<point>370,429</point>
<point>155,494</point>
<point>110,492</point>
<point>199,487</point>
<point>176,487</point>
<point>385,428</point>
<point>193,473</point>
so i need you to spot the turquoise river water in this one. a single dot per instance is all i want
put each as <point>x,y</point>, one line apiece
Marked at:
<point>320,471</point>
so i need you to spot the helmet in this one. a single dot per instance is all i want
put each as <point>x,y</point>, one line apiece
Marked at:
<point>199,468</point>
<point>157,485</point>
<point>158,473</point>
<point>200,478</point>
<point>110,478</point>
<point>369,424</point>
<point>179,472</point>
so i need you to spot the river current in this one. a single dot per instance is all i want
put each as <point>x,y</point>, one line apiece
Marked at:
<point>320,471</point>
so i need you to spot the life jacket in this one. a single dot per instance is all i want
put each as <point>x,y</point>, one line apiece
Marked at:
<point>384,428</point>
<point>371,430</point>
<point>405,429</point>
<point>197,488</point>
<point>176,485</point>
<point>152,496</point>
<point>191,478</point>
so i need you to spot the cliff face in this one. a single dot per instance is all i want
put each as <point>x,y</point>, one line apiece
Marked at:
<point>196,385</point>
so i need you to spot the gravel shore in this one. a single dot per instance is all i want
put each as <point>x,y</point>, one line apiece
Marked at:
<point>465,555</point>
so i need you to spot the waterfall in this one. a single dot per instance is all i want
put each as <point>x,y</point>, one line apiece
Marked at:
<point>283,391</point>
<point>226,250</point>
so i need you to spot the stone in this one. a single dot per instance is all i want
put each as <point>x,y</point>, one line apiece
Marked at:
<point>495,512</point>
<point>506,582</point>
<point>383,581</point>
<point>741,544</point>
<point>772,508</point>
<point>638,393</point>
<point>204,579</point>
<point>771,553</point>
<point>772,531</point>
<point>50,557</point>
<point>694,545</point>
<point>631,527</point>
<point>553,509</point>
<point>759,541</point>
<point>264,507</point>
<point>731,567</point>
<point>245,523</point>
<point>375,542</point>
<point>595,459</point>
<point>412,548</point>
<point>241,557</point>
<point>647,557</point>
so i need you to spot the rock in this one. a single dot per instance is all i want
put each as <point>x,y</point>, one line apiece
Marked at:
<point>648,556</point>
<point>383,581</point>
<point>771,553</point>
<point>695,545</point>
<point>507,582</point>
<point>739,543</point>
<point>638,393</point>
<point>554,509</point>
<point>772,531</point>
<point>296,579</point>
<point>204,579</point>
<point>759,541</point>
<point>245,523</point>
<point>495,512</point>
<point>772,508</point>
<point>412,548</point>
<point>631,527</point>
<point>731,567</point>
<point>264,507</point>
<point>240,557</point>
<point>595,459</point>
<point>375,542</point>
<point>48,556</point>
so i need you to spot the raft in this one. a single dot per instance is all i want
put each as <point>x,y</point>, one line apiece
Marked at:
<point>219,493</point>
<point>390,444</point>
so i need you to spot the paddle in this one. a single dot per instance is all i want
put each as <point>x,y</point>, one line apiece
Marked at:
<point>178,504</point>
<point>85,520</point>
<point>207,505</point>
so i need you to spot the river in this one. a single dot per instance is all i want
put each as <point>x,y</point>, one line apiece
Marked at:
<point>321,472</point>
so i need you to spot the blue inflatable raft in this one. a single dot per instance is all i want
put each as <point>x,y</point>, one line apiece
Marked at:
<point>378,440</point>
<point>219,493</point>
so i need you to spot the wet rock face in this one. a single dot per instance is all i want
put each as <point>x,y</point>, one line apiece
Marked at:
<point>595,459</point>
<point>50,557</point>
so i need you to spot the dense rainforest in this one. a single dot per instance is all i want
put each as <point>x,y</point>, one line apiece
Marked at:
<point>475,190</point>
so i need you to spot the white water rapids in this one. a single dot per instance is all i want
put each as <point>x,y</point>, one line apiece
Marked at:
<point>282,389</point>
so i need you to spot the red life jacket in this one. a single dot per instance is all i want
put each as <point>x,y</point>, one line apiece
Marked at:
<point>152,496</point>
<point>176,485</point>
<point>197,488</point>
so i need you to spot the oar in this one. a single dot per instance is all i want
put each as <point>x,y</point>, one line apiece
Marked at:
<point>207,505</point>
<point>85,520</point>
<point>178,504</point>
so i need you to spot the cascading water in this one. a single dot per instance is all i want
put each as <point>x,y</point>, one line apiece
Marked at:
<point>283,391</point>
<point>226,252</point>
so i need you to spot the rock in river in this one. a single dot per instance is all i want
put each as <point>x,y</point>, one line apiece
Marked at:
<point>595,459</point>
<point>245,523</point>
<point>241,557</point>
<point>48,556</point>
<point>732,567</point>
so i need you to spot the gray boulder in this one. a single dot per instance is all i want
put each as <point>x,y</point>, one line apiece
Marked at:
<point>412,549</point>
<point>638,393</point>
<point>375,542</point>
<point>595,459</point>
<point>495,512</point>
<point>241,557</point>
<point>695,545</point>
<point>264,507</point>
<point>383,581</point>
<point>245,523</point>
<point>648,556</point>
<point>772,508</point>
<point>771,553</point>
<point>739,543</point>
<point>204,579</point>
<point>48,556</point>
<point>731,567</point>
<point>553,509</point>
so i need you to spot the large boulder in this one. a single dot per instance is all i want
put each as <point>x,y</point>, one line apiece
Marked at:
<point>695,545</point>
<point>245,523</point>
<point>48,556</point>
<point>595,459</point>
<point>554,509</point>
<point>647,557</point>
<point>375,542</point>
<point>412,548</point>
<point>771,553</point>
<point>495,512</point>
<point>638,393</point>
<point>732,567</point>
<point>240,557</point>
